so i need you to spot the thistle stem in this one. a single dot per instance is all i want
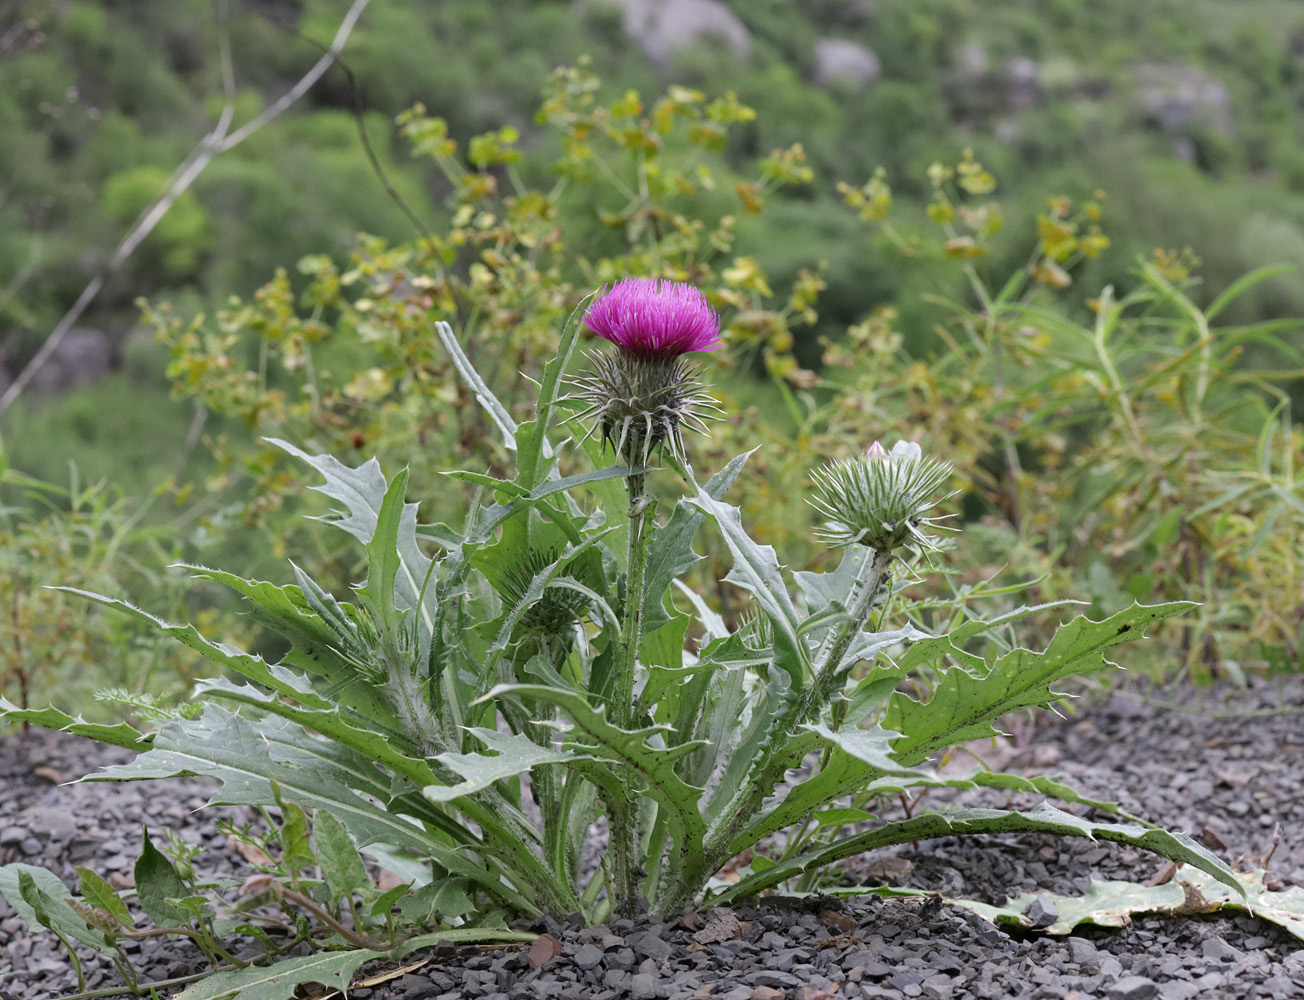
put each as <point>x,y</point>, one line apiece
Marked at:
<point>624,832</point>
<point>640,514</point>
<point>765,774</point>
<point>839,640</point>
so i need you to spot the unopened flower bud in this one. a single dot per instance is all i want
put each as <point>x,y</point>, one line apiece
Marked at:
<point>881,500</point>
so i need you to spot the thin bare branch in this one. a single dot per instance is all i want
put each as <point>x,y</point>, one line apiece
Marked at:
<point>215,142</point>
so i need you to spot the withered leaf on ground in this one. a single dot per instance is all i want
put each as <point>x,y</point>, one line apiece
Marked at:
<point>544,949</point>
<point>721,925</point>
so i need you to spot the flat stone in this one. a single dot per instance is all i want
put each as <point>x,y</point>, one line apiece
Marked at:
<point>588,956</point>
<point>650,946</point>
<point>1219,950</point>
<point>772,979</point>
<point>1133,988</point>
<point>1175,989</point>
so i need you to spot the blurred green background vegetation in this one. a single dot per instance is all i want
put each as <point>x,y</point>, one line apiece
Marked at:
<point>1173,123</point>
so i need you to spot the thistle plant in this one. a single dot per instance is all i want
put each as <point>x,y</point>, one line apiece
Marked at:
<point>492,690</point>
<point>639,397</point>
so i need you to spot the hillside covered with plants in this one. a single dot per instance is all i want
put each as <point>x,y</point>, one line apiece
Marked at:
<point>916,218</point>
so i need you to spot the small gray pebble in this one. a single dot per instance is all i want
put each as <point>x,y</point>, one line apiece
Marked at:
<point>12,835</point>
<point>1083,953</point>
<point>1041,912</point>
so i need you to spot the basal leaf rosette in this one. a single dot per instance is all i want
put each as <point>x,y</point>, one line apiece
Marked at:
<point>881,499</point>
<point>640,396</point>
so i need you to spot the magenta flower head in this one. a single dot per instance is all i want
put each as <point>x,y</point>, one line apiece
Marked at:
<point>653,318</point>
<point>642,394</point>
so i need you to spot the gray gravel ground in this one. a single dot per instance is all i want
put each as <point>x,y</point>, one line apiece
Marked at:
<point>1229,779</point>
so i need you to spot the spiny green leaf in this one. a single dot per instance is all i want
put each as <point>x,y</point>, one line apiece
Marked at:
<point>756,568</point>
<point>362,491</point>
<point>120,735</point>
<point>374,743</point>
<point>277,678</point>
<point>670,549</point>
<point>836,589</point>
<point>963,707</point>
<point>383,563</point>
<point>533,448</point>
<point>286,611</point>
<point>1043,819</point>
<point>857,757</point>
<point>656,767</point>
<point>322,774</point>
<point>840,817</point>
<point>548,487</point>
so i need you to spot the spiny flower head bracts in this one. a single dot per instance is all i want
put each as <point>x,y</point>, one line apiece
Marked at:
<point>881,499</point>
<point>639,404</point>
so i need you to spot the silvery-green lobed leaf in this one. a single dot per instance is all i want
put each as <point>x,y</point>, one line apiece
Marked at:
<point>1189,892</point>
<point>362,492</point>
<point>280,981</point>
<point>513,755</point>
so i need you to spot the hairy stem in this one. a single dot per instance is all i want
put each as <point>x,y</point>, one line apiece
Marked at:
<point>829,662</point>
<point>624,828</point>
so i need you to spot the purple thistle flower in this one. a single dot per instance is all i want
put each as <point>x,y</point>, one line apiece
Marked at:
<point>653,318</point>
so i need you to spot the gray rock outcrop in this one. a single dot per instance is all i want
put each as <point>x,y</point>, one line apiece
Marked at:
<point>1174,97</point>
<point>840,59</point>
<point>82,356</point>
<point>663,27</point>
